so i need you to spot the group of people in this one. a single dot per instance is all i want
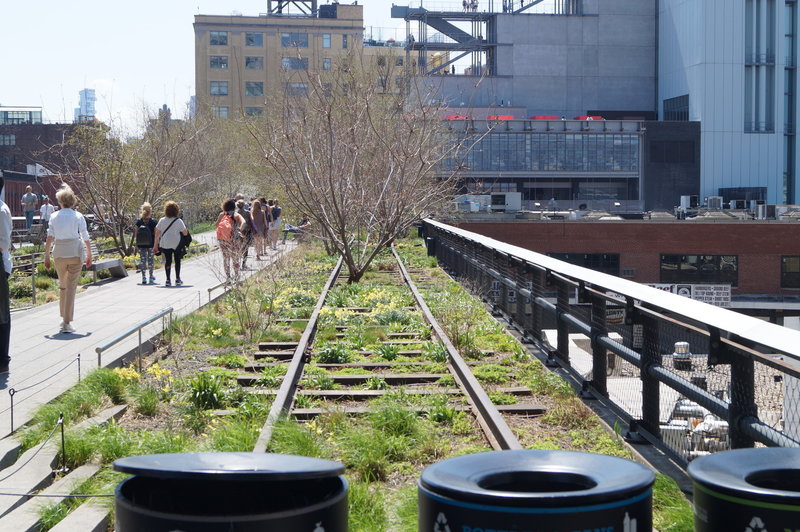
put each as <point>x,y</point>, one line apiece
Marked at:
<point>242,224</point>
<point>30,201</point>
<point>469,5</point>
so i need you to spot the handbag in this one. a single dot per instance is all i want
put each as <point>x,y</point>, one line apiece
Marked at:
<point>183,247</point>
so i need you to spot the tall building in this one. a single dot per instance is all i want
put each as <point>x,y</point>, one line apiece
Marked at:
<point>241,60</point>
<point>85,112</point>
<point>731,65</point>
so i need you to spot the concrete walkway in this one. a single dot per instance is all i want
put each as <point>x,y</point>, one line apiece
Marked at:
<point>44,361</point>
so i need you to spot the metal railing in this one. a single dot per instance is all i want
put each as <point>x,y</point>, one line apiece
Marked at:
<point>164,314</point>
<point>691,377</point>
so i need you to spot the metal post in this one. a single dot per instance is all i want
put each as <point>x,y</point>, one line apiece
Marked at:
<point>79,367</point>
<point>199,302</point>
<point>537,288</point>
<point>140,350</point>
<point>651,356</point>
<point>63,444</point>
<point>743,401</point>
<point>599,353</point>
<point>561,325</point>
<point>11,392</point>
<point>33,282</point>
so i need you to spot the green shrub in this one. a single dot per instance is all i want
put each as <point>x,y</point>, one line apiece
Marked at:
<point>395,420</point>
<point>376,383</point>
<point>491,373</point>
<point>20,289</point>
<point>205,391</point>
<point>388,351</point>
<point>333,354</point>
<point>147,401</point>
<point>110,383</point>
<point>229,360</point>
<point>434,351</point>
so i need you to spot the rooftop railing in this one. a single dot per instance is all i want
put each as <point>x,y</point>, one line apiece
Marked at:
<point>688,376</point>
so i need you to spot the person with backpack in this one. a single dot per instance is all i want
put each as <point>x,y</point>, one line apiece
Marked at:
<point>275,225</point>
<point>144,231</point>
<point>230,225</point>
<point>167,240</point>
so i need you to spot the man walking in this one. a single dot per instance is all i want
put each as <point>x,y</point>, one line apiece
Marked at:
<point>45,211</point>
<point>5,303</point>
<point>29,201</point>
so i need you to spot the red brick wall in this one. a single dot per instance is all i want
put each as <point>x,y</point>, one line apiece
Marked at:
<point>759,245</point>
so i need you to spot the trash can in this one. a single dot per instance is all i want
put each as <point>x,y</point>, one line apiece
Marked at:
<point>239,492</point>
<point>536,490</point>
<point>430,243</point>
<point>747,489</point>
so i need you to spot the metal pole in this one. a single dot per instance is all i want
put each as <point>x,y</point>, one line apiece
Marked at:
<point>140,350</point>
<point>743,401</point>
<point>33,282</point>
<point>599,352</point>
<point>79,367</point>
<point>11,392</point>
<point>561,324</point>
<point>63,444</point>
<point>651,356</point>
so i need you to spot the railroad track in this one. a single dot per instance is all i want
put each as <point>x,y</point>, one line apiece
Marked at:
<point>325,373</point>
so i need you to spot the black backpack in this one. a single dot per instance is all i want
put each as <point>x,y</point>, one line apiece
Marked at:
<point>144,235</point>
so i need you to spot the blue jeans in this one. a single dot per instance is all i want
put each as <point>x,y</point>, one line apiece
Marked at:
<point>29,219</point>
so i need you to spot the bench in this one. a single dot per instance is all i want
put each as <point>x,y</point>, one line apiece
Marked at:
<point>114,266</point>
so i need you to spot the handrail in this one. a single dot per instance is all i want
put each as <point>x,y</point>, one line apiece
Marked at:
<point>138,327</point>
<point>779,338</point>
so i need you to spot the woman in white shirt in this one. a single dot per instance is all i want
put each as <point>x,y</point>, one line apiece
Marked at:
<point>168,237</point>
<point>67,230</point>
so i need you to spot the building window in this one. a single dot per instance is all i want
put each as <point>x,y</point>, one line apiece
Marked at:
<point>254,63</point>
<point>299,90</point>
<point>790,271</point>
<point>672,152</point>
<point>220,112</point>
<point>700,269</point>
<point>677,109</point>
<point>219,88</point>
<point>8,140</point>
<point>344,40</point>
<point>218,38</point>
<point>294,63</point>
<point>599,262</point>
<point>326,40</point>
<point>219,61</point>
<point>294,40</point>
<point>326,63</point>
<point>253,111</point>
<point>254,88</point>
<point>253,39</point>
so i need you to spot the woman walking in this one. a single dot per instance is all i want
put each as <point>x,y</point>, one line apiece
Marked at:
<point>275,224</point>
<point>259,228</point>
<point>168,237</point>
<point>229,236</point>
<point>144,235</point>
<point>69,240</point>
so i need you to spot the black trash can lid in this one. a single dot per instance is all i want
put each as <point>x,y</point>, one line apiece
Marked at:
<point>764,473</point>
<point>241,466</point>
<point>537,478</point>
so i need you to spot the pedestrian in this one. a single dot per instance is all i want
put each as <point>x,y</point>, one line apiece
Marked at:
<point>259,220</point>
<point>45,211</point>
<point>167,240</point>
<point>464,5</point>
<point>29,201</point>
<point>144,231</point>
<point>6,225</point>
<point>69,239</point>
<point>275,225</point>
<point>299,230</point>
<point>247,232</point>
<point>229,225</point>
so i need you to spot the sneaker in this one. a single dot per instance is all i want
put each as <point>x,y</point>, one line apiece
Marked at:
<point>144,280</point>
<point>68,328</point>
<point>168,283</point>
<point>178,282</point>
<point>61,327</point>
<point>152,279</point>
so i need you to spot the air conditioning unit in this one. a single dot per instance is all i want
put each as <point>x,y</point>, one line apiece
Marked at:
<point>761,211</point>
<point>715,203</point>
<point>506,201</point>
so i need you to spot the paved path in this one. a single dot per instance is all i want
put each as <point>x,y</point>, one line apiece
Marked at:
<point>44,361</point>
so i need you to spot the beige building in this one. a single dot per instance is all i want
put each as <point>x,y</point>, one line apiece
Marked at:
<point>241,60</point>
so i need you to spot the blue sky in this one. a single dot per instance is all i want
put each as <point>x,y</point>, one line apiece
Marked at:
<point>134,54</point>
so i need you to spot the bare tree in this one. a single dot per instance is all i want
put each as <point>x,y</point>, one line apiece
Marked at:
<point>358,148</point>
<point>113,175</point>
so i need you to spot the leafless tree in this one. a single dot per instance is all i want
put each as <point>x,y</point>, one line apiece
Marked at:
<point>358,148</point>
<point>114,175</point>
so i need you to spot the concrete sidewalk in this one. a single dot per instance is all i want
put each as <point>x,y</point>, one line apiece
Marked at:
<point>44,361</point>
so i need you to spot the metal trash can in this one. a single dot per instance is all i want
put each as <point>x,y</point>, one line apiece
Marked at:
<point>239,492</point>
<point>747,489</point>
<point>430,243</point>
<point>536,490</point>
